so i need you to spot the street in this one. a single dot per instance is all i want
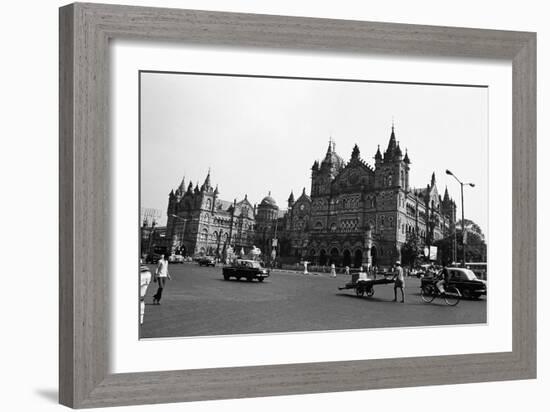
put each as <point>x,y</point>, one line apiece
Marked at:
<point>198,302</point>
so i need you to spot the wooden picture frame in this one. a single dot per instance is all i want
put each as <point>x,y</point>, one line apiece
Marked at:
<point>85,31</point>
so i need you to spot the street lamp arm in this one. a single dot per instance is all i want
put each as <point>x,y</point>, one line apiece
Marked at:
<point>452,174</point>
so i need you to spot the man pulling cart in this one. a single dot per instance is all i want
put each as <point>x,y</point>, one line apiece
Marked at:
<point>363,284</point>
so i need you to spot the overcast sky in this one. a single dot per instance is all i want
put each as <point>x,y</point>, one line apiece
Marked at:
<point>263,134</point>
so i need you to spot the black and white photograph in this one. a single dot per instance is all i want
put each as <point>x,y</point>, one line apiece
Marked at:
<point>283,205</point>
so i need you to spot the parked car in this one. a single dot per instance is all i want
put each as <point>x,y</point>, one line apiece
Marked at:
<point>464,280</point>
<point>245,269</point>
<point>176,259</point>
<point>207,261</point>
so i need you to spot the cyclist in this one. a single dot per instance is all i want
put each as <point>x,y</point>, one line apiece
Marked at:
<point>443,280</point>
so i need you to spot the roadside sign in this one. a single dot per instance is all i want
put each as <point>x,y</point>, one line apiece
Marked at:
<point>433,252</point>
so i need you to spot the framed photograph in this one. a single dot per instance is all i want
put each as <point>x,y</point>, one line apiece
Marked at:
<point>277,205</point>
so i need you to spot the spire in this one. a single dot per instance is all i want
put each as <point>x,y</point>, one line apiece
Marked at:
<point>216,191</point>
<point>181,187</point>
<point>304,191</point>
<point>190,187</point>
<point>330,147</point>
<point>315,166</point>
<point>398,152</point>
<point>291,198</point>
<point>446,195</point>
<point>355,152</point>
<point>206,185</point>
<point>392,144</point>
<point>433,179</point>
<point>406,159</point>
<point>378,155</point>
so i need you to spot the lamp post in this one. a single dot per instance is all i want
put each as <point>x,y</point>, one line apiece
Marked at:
<point>462,204</point>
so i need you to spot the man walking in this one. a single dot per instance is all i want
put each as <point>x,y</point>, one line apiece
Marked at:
<point>161,275</point>
<point>399,279</point>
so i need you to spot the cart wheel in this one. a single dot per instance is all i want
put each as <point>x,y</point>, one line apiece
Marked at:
<point>359,291</point>
<point>370,292</point>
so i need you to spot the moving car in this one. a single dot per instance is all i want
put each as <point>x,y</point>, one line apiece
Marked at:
<point>464,280</point>
<point>207,261</point>
<point>245,269</point>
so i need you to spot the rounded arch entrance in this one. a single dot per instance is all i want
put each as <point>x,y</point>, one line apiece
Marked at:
<point>358,258</point>
<point>374,255</point>
<point>346,261</point>
<point>311,256</point>
<point>334,256</point>
<point>322,257</point>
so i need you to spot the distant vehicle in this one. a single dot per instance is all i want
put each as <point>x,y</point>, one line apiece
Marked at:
<point>467,283</point>
<point>207,261</point>
<point>245,269</point>
<point>176,259</point>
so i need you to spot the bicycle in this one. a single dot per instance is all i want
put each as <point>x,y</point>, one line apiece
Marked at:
<point>451,295</point>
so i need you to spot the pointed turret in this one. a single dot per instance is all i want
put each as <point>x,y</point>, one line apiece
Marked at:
<point>315,166</point>
<point>392,144</point>
<point>433,179</point>
<point>206,186</point>
<point>398,152</point>
<point>378,155</point>
<point>406,159</point>
<point>329,150</point>
<point>190,187</point>
<point>355,153</point>
<point>291,198</point>
<point>216,191</point>
<point>181,187</point>
<point>446,195</point>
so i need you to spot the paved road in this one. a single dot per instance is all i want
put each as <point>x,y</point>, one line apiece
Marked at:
<point>198,302</point>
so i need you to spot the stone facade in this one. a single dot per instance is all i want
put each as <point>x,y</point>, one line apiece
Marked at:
<point>359,214</point>
<point>200,222</point>
<point>355,214</point>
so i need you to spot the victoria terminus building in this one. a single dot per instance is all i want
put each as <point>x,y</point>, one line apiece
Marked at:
<point>354,214</point>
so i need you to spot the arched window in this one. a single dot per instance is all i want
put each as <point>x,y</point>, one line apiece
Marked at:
<point>390,182</point>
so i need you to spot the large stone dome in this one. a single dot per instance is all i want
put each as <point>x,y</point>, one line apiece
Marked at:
<point>269,201</point>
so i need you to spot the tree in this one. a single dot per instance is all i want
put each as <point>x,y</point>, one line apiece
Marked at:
<point>411,249</point>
